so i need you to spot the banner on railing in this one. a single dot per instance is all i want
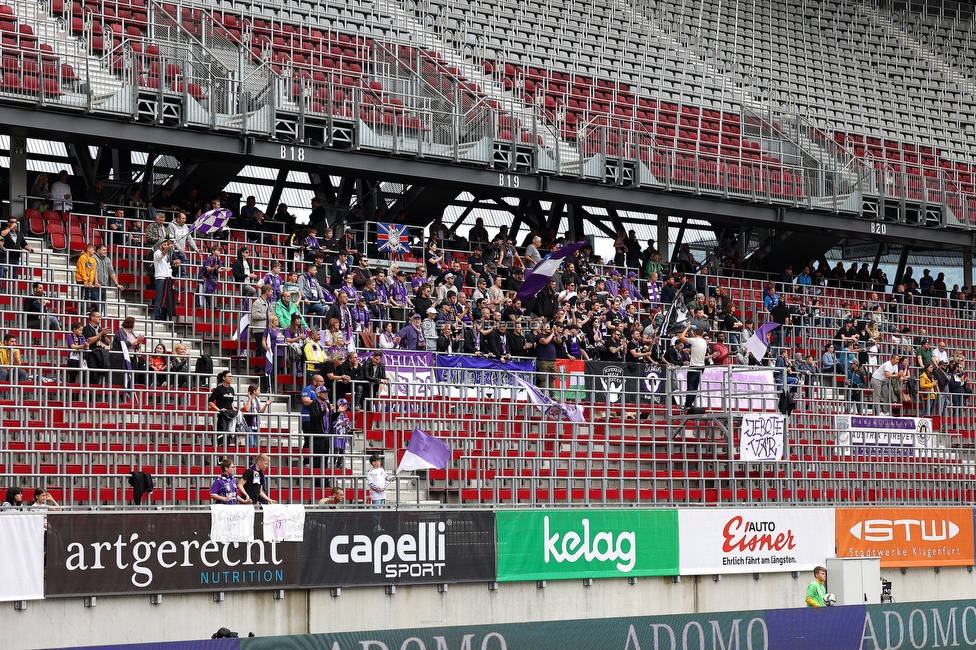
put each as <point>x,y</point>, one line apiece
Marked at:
<point>570,380</point>
<point>754,540</point>
<point>903,537</point>
<point>409,372</point>
<point>568,544</point>
<point>748,390</point>
<point>115,554</point>
<point>869,435</point>
<point>454,371</point>
<point>606,382</point>
<point>761,436</point>
<point>387,547</point>
<point>22,558</point>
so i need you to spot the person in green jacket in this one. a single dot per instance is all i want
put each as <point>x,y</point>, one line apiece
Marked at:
<point>287,307</point>
<point>817,589</point>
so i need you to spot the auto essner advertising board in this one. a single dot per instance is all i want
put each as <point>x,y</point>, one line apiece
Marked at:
<point>754,540</point>
<point>903,537</point>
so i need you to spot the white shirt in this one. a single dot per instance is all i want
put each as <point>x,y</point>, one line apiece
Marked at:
<point>59,191</point>
<point>698,349</point>
<point>886,367</point>
<point>940,355</point>
<point>163,269</point>
<point>181,236</point>
<point>377,477</point>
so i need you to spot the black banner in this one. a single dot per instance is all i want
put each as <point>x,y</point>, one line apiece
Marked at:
<point>616,383</point>
<point>384,547</point>
<point>115,554</point>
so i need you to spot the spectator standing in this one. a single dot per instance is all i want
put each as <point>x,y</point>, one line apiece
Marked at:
<point>77,346</point>
<point>880,394</point>
<point>258,314</point>
<point>374,374</point>
<point>252,409</point>
<point>411,337</point>
<point>225,489</point>
<point>254,483</point>
<point>87,277</point>
<point>105,277</point>
<point>40,192</point>
<point>308,396</point>
<point>221,401</point>
<point>13,245</point>
<point>378,479</point>
<point>163,273</point>
<point>124,360</point>
<point>61,193</point>
<point>546,342</point>
<point>179,232</point>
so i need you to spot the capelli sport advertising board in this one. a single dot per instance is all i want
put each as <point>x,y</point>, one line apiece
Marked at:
<point>570,544</point>
<point>385,547</point>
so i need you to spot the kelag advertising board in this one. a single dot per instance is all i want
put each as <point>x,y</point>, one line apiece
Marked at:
<point>384,547</point>
<point>904,537</point>
<point>568,544</point>
<point>754,540</point>
<point>107,554</point>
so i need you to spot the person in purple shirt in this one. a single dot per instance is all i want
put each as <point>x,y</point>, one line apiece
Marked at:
<point>224,488</point>
<point>360,315</point>
<point>411,337</point>
<point>275,280</point>
<point>397,295</point>
<point>630,284</point>
<point>612,284</point>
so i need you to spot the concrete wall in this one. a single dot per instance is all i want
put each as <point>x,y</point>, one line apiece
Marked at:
<point>132,619</point>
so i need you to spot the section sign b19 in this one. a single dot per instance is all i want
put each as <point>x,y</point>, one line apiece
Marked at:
<point>571,544</point>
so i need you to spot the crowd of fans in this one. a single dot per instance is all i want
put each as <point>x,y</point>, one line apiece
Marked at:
<point>333,295</point>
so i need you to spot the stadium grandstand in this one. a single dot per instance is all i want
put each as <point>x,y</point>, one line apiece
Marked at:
<point>390,173</point>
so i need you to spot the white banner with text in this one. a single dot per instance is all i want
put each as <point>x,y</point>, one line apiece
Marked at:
<point>754,540</point>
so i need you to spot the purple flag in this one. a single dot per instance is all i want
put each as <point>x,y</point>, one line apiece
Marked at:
<point>757,344</point>
<point>540,274</point>
<point>213,221</point>
<point>553,408</point>
<point>424,451</point>
<point>243,325</point>
<point>269,354</point>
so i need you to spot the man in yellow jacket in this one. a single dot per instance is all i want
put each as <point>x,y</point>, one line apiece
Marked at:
<point>87,277</point>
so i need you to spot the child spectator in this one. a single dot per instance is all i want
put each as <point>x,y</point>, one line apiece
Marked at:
<point>252,408</point>
<point>78,346</point>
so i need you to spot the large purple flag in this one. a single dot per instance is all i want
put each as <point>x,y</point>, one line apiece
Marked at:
<point>213,221</point>
<point>555,409</point>
<point>424,451</point>
<point>540,274</point>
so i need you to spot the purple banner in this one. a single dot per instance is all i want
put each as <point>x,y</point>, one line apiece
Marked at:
<point>890,424</point>
<point>458,370</point>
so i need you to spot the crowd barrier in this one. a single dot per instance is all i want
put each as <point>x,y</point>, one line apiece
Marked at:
<point>126,553</point>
